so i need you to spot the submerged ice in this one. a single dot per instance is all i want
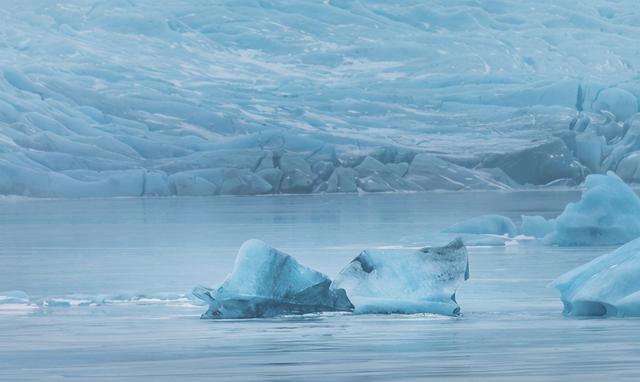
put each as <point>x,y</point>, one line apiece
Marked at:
<point>424,281</point>
<point>606,286</point>
<point>266,282</point>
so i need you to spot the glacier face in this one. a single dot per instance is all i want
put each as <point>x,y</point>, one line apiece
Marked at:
<point>133,97</point>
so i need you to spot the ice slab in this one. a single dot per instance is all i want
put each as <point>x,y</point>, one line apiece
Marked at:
<point>266,282</point>
<point>606,286</point>
<point>607,213</point>
<point>424,281</point>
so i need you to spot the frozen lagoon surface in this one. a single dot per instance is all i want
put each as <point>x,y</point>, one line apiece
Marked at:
<point>512,326</point>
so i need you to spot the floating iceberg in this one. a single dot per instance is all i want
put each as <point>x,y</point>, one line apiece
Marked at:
<point>607,213</point>
<point>486,224</point>
<point>606,286</point>
<point>14,297</point>
<point>266,282</point>
<point>536,226</point>
<point>424,281</point>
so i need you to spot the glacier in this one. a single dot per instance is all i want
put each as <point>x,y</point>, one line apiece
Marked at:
<point>140,98</point>
<point>605,286</point>
<point>424,281</point>
<point>266,282</point>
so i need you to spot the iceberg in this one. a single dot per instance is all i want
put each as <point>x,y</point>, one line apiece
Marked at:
<point>536,226</point>
<point>266,282</point>
<point>606,286</point>
<point>486,224</point>
<point>608,213</point>
<point>424,281</point>
<point>14,297</point>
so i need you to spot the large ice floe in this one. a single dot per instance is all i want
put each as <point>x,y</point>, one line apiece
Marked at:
<point>140,97</point>
<point>607,213</point>
<point>424,281</point>
<point>266,282</point>
<point>607,286</point>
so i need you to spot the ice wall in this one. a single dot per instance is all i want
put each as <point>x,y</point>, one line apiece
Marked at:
<point>138,97</point>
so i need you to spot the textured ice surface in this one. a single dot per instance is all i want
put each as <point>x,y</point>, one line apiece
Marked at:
<point>424,281</point>
<point>129,98</point>
<point>266,282</point>
<point>607,213</point>
<point>606,286</point>
<point>486,224</point>
<point>536,226</point>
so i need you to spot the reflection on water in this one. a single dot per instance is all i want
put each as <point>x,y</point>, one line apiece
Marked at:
<point>512,326</point>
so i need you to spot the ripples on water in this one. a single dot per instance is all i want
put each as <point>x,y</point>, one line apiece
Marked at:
<point>512,327</point>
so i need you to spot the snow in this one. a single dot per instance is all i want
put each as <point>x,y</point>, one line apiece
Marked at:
<point>424,281</point>
<point>486,224</point>
<point>127,98</point>
<point>605,286</point>
<point>266,282</point>
<point>607,213</point>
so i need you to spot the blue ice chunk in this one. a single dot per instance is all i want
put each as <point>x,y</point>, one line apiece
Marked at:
<point>486,224</point>
<point>606,286</point>
<point>607,213</point>
<point>536,226</point>
<point>14,297</point>
<point>266,282</point>
<point>423,281</point>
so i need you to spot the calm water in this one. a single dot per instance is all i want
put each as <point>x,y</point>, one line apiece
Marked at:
<point>145,253</point>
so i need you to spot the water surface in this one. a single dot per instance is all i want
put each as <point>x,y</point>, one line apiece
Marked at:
<point>145,255</point>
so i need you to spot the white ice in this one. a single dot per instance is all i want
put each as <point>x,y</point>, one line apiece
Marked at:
<point>424,281</point>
